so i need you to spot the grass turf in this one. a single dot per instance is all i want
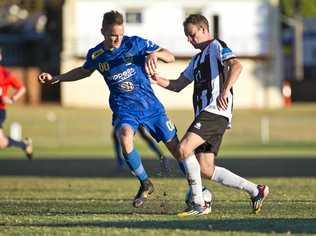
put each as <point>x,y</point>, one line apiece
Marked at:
<point>97,206</point>
<point>81,131</point>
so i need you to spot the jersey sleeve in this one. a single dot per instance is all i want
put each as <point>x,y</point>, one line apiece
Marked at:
<point>89,63</point>
<point>223,52</point>
<point>188,72</point>
<point>146,46</point>
<point>15,83</point>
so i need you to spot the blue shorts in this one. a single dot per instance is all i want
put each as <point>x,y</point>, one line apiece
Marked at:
<point>159,126</point>
<point>2,117</point>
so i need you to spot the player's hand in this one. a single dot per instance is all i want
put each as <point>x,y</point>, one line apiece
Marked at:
<point>7,100</point>
<point>151,64</point>
<point>154,78</point>
<point>46,78</point>
<point>222,100</point>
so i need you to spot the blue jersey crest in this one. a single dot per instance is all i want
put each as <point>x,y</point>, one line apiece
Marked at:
<point>123,70</point>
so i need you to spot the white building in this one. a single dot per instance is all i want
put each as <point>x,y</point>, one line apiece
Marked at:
<point>249,27</point>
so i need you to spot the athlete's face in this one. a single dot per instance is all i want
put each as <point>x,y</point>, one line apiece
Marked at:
<point>113,35</point>
<point>196,35</point>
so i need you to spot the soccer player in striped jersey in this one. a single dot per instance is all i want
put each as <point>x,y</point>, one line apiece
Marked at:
<point>121,60</point>
<point>214,71</point>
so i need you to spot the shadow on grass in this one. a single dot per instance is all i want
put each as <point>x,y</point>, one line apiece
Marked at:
<point>101,167</point>
<point>307,226</point>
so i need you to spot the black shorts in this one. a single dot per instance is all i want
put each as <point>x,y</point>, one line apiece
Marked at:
<point>2,117</point>
<point>210,127</point>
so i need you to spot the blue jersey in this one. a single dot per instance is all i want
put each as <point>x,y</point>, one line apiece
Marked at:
<point>123,70</point>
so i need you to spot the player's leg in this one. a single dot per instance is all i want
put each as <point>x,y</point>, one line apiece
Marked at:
<point>117,150</point>
<point>172,146</point>
<point>26,144</point>
<point>126,128</point>
<point>150,142</point>
<point>195,137</point>
<point>5,142</point>
<point>3,138</point>
<point>224,176</point>
<point>188,144</point>
<point>161,128</point>
<point>206,154</point>
<point>221,175</point>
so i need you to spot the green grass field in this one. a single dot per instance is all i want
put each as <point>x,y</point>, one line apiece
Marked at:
<point>37,205</point>
<point>58,131</point>
<point>95,206</point>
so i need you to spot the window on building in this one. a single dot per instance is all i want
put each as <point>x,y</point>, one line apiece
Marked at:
<point>215,22</point>
<point>134,16</point>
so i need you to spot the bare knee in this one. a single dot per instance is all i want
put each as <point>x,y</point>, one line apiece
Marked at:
<point>184,151</point>
<point>3,142</point>
<point>207,171</point>
<point>126,136</point>
<point>207,165</point>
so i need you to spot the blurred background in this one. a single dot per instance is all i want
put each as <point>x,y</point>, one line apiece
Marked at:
<point>274,99</point>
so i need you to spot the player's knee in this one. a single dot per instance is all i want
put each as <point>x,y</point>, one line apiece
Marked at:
<point>125,135</point>
<point>127,146</point>
<point>207,170</point>
<point>3,142</point>
<point>184,151</point>
<point>126,140</point>
<point>125,132</point>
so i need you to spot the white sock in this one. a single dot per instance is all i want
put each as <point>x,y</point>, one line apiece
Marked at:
<point>192,168</point>
<point>228,178</point>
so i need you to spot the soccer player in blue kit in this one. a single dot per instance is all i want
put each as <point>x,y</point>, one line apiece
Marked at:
<point>122,60</point>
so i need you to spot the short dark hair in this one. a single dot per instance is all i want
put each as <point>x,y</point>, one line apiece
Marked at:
<point>196,19</point>
<point>112,18</point>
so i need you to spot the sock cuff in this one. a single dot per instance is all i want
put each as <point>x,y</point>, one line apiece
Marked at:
<point>190,159</point>
<point>131,154</point>
<point>214,176</point>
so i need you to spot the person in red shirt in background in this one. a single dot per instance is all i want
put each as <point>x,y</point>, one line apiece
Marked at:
<point>7,81</point>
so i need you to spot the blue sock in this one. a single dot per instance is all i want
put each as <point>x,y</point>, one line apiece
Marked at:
<point>134,163</point>
<point>182,168</point>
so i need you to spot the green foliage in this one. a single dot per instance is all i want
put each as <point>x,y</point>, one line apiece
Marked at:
<point>308,7</point>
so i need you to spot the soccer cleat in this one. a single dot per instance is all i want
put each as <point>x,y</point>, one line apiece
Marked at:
<point>257,201</point>
<point>146,188</point>
<point>196,210</point>
<point>28,148</point>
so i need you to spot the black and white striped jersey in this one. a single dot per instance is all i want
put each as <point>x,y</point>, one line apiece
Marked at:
<point>206,69</point>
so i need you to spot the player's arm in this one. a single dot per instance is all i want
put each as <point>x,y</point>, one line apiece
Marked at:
<point>173,85</point>
<point>160,54</point>
<point>19,90</point>
<point>16,96</point>
<point>234,68</point>
<point>164,55</point>
<point>72,75</point>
